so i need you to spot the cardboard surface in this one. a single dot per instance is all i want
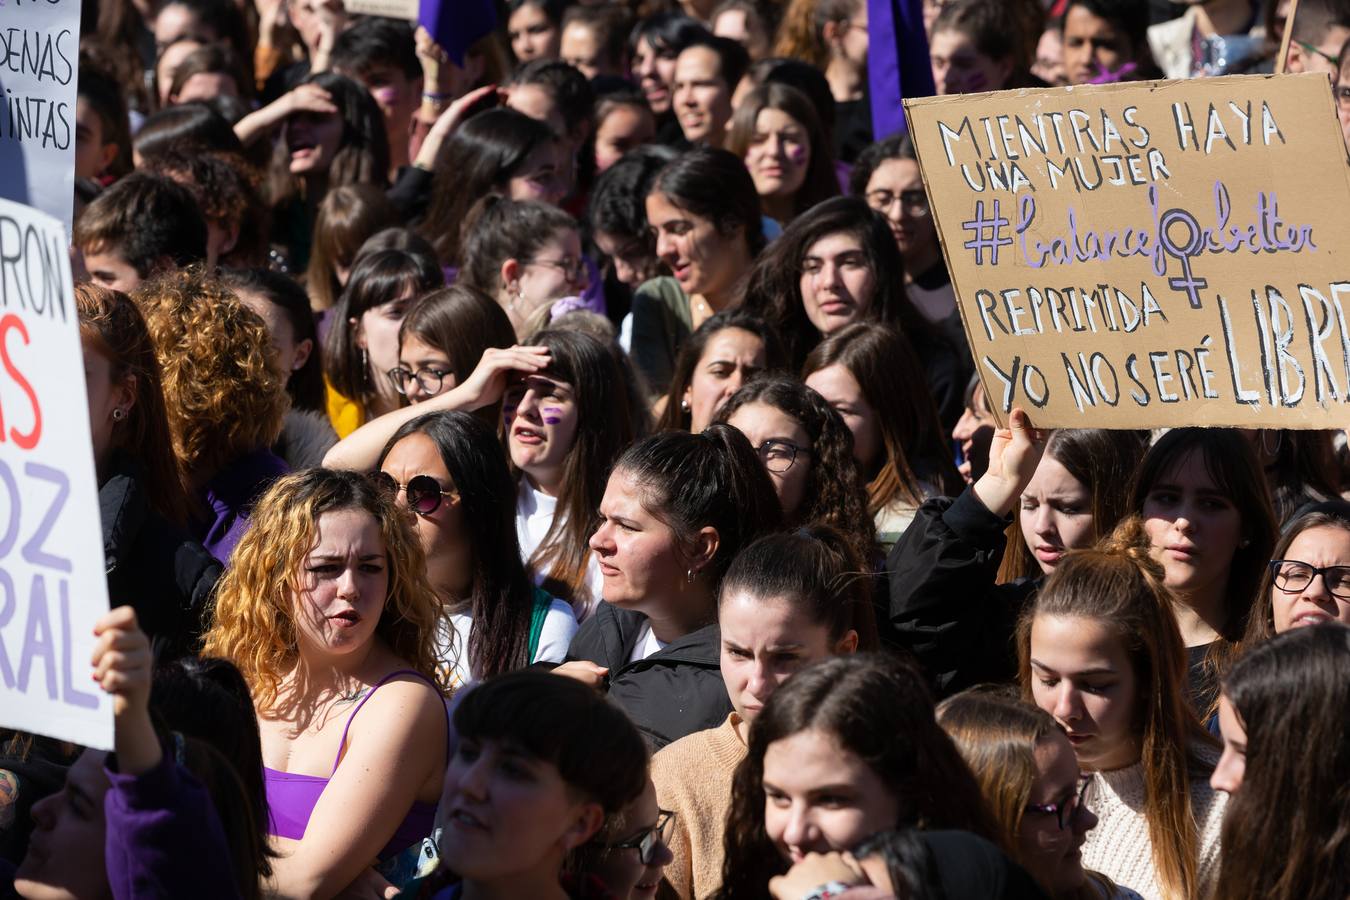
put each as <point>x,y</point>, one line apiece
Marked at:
<point>1151,254</point>
<point>38,73</point>
<point>394,9</point>
<point>52,577</point>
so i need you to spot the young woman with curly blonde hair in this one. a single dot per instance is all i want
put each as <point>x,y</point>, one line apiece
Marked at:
<point>224,395</point>
<point>327,613</point>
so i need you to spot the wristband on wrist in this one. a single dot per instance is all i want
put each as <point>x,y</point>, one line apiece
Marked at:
<point>827,890</point>
<point>431,95</point>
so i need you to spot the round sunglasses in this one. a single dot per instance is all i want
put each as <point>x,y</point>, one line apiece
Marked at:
<point>423,492</point>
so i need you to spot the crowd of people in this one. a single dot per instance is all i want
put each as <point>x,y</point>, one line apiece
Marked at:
<point>558,470</point>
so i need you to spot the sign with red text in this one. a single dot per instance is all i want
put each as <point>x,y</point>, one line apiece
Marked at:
<point>1151,254</point>
<point>52,576</point>
<point>39,64</point>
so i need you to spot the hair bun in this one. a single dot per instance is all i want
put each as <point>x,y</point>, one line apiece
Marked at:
<point>1130,540</point>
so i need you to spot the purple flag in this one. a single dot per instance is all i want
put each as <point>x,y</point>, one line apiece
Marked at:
<point>457,24</point>
<point>897,61</point>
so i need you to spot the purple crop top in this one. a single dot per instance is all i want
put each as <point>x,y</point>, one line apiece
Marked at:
<point>291,798</point>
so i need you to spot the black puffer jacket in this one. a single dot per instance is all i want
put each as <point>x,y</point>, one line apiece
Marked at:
<point>153,566</point>
<point>674,692</point>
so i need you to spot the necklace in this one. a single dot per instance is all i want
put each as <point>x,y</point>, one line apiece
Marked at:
<point>701,307</point>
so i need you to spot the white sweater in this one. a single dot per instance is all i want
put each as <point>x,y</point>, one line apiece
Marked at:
<point>1119,847</point>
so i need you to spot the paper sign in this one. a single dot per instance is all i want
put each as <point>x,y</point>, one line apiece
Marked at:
<point>52,581</point>
<point>1147,255</point>
<point>393,9</point>
<point>39,62</point>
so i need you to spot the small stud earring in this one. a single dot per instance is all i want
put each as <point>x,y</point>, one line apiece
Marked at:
<point>118,415</point>
<point>684,406</point>
<point>690,575</point>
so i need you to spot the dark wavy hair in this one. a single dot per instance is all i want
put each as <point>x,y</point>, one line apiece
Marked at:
<point>821,182</point>
<point>376,278</point>
<point>691,352</point>
<point>876,707</point>
<point>774,289</point>
<point>606,424</point>
<point>481,157</point>
<point>815,569</point>
<point>1286,834</point>
<point>501,595</point>
<point>692,481</point>
<point>834,494</point>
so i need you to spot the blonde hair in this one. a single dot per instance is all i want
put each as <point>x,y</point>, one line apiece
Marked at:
<point>222,390</point>
<point>253,620</point>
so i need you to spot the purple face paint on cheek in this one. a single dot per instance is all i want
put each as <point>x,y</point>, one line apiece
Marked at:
<point>797,154</point>
<point>552,415</point>
<point>508,414</point>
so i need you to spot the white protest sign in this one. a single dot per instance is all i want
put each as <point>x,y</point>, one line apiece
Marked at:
<point>52,577</point>
<point>39,61</point>
<point>393,9</point>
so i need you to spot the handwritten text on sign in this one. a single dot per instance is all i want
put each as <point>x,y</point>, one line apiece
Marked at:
<point>52,576</point>
<point>1151,254</point>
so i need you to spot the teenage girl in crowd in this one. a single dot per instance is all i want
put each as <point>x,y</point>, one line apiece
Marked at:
<point>676,511</point>
<point>705,213</point>
<point>1099,650</point>
<point>835,265</point>
<point>1030,777</point>
<point>1286,833</point>
<point>1308,581</point>
<point>447,469</point>
<point>362,342</point>
<point>846,748</point>
<point>787,601</point>
<point>720,357</point>
<point>327,612</point>
<point>523,790</point>
<point>778,135</point>
<point>868,373</point>
<point>443,337</point>
<point>807,450</point>
<point>946,600</point>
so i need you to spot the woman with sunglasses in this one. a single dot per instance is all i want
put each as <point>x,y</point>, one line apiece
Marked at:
<point>447,469</point>
<point>1029,775</point>
<point>1308,581</point>
<point>631,853</point>
<point>807,450</point>
<point>787,601</point>
<point>1100,651</point>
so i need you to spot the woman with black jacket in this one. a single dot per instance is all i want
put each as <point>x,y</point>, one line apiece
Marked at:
<point>152,563</point>
<point>677,509</point>
<point>957,587</point>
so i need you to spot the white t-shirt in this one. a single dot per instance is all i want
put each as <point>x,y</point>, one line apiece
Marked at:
<point>554,638</point>
<point>647,644</point>
<point>534,517</point>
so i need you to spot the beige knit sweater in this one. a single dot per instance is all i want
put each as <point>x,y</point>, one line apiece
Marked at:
<point>693,780</point>
<point>1119,847</point>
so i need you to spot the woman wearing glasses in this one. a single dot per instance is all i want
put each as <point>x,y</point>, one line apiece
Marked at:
<point>676,511</point>
<point>525,254</point>
<point>787,601</point>
<point>447,470</point>
<point>631,853</point>
<point>807,450</point>
<point>871,375</point>
<point>836,265</point>
<point>1030,777</point>
<point>1099,650</point>
<point>1308,581</point>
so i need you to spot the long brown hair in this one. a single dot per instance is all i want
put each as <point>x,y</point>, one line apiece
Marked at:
<point>347,216</point>
<point>1286,834</point>
<point>876,707</point>
<point>1120,587</point>
<point>820,182</point>
<point>893,383</point>
<point>1103,462</point>
<point>111,325</point>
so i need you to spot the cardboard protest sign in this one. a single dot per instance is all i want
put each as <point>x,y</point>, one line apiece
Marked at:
<point>52,577</point>
<point>1151,254</point>
<point>39,61</point>
<point>394,9</point>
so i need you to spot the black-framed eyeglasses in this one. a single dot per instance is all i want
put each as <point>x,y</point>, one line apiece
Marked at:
<point>428,379</point>
<point>1293,576</point>
<point>1311,48</point>
<point>1064,812</point>
<point>650,840</point>
<point>573,268</point>
<point>778,456</point>
<point>423,492</point>
<point>914,202</point>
